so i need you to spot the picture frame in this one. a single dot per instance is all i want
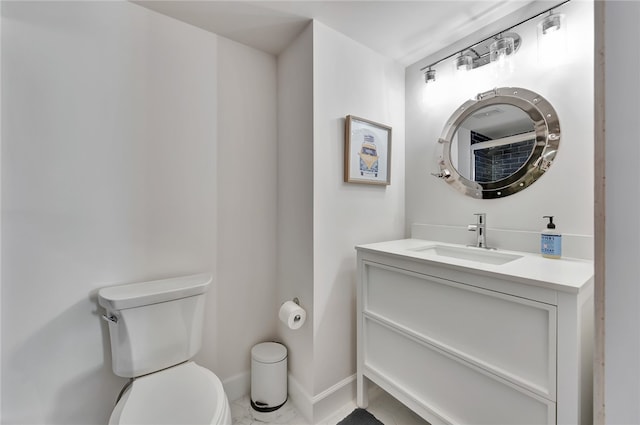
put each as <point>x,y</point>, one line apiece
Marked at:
<point>367,151</point>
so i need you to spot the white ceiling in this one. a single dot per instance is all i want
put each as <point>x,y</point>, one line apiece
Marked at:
<point>406,31</point>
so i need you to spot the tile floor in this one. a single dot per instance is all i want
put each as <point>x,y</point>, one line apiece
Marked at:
<point>387,409</point>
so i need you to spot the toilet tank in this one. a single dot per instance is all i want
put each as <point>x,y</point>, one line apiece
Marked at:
<point>156,324</point>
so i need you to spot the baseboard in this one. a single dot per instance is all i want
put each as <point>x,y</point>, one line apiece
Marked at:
<point>316,408</point>
<point>237,386</point>
<point>312,408</point>
<point>330,400</point>
<point>302,401</point>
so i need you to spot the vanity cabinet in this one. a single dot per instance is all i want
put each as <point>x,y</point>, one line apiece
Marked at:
<point>460,344</point>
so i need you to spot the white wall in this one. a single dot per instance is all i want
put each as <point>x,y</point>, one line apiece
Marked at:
<point>111,173</point>
<point>349,78</point>
<point>246,230</point>
<point>622,292</point>
<point>295,206</point>
<point>565,191</point>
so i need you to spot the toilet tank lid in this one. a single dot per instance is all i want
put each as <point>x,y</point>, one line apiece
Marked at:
<point>132,295</point>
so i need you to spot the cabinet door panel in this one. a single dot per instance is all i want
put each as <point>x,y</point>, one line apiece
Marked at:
<point>510,336</point>
<point>456,391</point>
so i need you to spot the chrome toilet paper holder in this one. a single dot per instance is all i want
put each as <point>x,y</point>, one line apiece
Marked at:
<point>297,301</point>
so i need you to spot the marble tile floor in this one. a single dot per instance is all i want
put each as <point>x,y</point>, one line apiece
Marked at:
<point>387,409</point>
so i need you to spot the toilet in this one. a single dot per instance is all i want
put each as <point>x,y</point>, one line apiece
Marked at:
<point>155,330</point>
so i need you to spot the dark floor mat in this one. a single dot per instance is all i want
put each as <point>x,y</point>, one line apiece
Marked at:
<point>360,417</point>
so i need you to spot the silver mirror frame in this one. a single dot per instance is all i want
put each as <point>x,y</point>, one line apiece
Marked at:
<point>546,127</point>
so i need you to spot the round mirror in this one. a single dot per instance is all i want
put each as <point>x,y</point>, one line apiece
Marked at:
<point>499,143</point>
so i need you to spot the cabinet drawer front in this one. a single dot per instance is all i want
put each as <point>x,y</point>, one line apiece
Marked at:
<point>455,391</point>
<point>510,336</point>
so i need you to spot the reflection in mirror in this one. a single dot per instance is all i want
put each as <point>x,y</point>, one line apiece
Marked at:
<point>493,143</point>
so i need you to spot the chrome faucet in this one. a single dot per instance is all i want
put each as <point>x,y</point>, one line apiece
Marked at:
<point>481,230</point>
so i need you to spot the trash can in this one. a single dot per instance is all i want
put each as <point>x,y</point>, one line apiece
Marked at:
<point>268,376</point>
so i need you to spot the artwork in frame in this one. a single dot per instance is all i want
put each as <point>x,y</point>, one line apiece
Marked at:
<point>367,152</point>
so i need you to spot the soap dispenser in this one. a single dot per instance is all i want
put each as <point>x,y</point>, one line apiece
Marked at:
<point>551,240</point>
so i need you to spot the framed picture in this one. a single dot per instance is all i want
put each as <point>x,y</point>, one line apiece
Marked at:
<point>367,152</point>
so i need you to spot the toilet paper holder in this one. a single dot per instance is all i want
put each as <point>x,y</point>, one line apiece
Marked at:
<point>297,301</point>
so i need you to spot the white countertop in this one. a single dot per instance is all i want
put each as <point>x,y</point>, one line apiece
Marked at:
<point>565,274</point>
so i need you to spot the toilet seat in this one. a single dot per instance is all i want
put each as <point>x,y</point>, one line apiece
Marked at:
<point>182,394</point>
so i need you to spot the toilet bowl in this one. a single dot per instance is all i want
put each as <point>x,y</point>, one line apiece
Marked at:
<point>155,330</point>
<point>186,394</point>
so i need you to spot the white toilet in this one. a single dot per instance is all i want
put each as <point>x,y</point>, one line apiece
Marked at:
<point>155,329</point>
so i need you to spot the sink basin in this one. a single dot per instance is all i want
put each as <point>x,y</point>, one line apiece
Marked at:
<point>479,255</point>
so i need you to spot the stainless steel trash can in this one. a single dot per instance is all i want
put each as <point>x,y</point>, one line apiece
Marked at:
<point>268,376</point>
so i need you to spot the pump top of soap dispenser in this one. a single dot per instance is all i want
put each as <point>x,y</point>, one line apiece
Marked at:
<point>550,225</point>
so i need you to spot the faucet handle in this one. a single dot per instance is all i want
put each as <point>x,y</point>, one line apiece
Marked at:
<point>481,218</point>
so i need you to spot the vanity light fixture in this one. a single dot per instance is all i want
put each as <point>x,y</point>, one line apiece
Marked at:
<point>430,75</point>
<point>551,23</point>
<point>501,48</point>
<point>498,46</point>
<point>464,62</point>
